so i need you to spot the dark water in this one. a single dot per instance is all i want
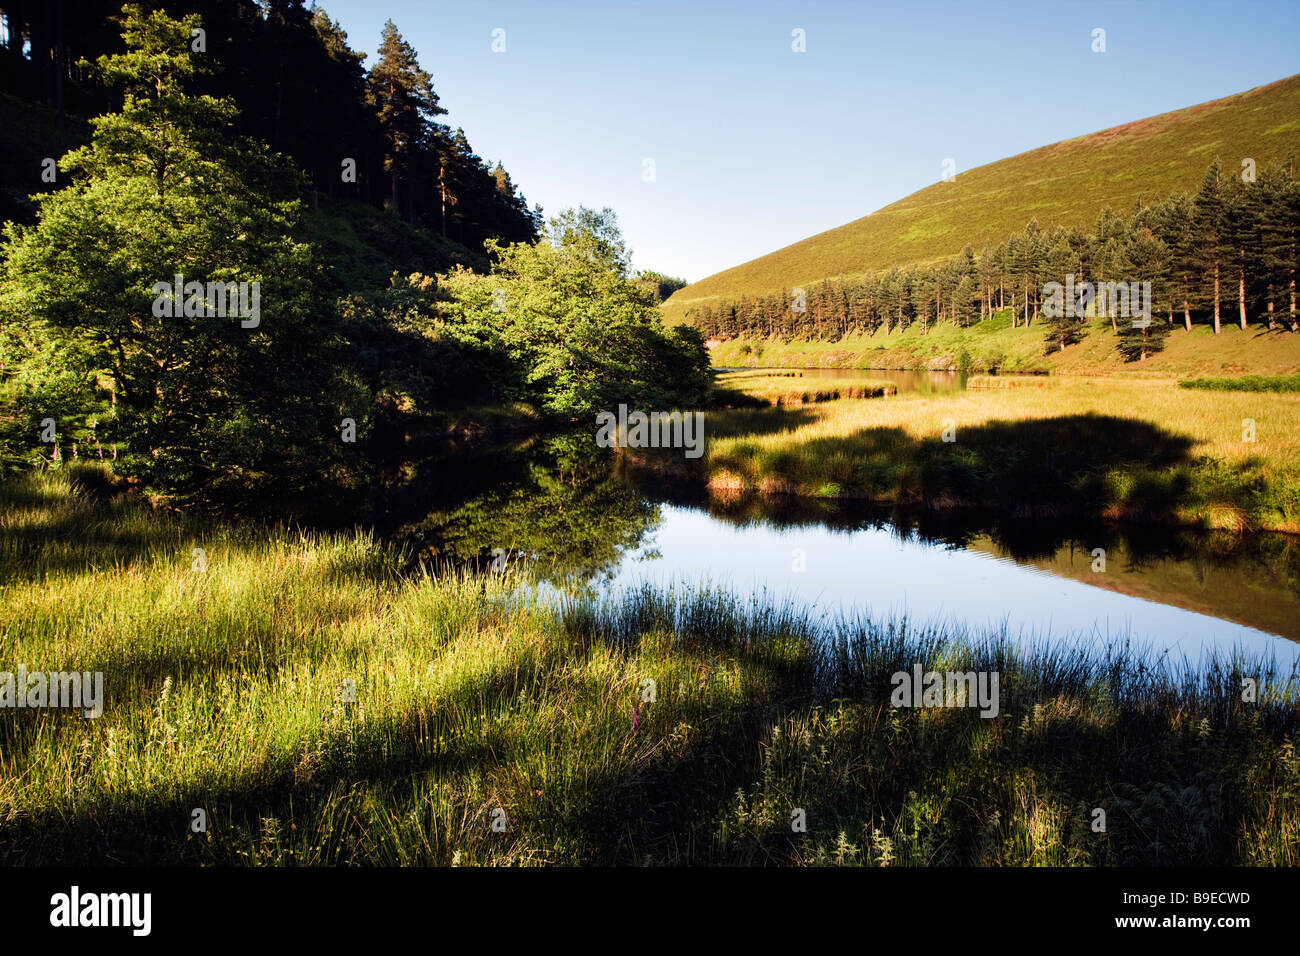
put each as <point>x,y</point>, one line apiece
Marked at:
<point>560,506</point>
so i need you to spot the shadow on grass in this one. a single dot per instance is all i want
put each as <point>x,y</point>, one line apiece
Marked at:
<point>1177,764</point>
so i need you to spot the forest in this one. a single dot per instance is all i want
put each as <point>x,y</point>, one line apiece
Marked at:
<point>372,135</point>
<point>397,274</point>
<point>1228,253</point>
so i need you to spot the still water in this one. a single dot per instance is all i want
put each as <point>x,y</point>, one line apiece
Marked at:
<point>561,506</point>
<point>887,572</point>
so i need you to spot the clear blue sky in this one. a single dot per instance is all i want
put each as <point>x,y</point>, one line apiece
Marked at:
<point>756,146</point>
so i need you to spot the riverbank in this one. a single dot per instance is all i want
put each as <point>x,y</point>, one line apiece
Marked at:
<point>1110,448</point>
<point>323,708</point>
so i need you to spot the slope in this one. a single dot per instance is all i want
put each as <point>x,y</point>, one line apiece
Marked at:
<point>1066,183</point>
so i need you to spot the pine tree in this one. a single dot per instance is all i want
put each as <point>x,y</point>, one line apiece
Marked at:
<point>987,280</point>
<point>1209,228</point>
<point>1244,238</point>
<point>1106,258</point>
<point>1174,226</point>
<point>1034,250</point>
<point>964,297</point>
<point>1282,238</point>
<point>403,98</point>
<point>1145,260</point>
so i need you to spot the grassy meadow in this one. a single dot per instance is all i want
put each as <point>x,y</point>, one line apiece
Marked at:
<point>227,690</point>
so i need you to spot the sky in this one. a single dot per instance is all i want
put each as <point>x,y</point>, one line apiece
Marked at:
<point>716,142</point>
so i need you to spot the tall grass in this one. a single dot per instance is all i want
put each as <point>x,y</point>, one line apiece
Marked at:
<point>228,690</point>
<point>978,382</point>
<point>993,345</point>
<point>1246,383</point>
<point>1106,448</point>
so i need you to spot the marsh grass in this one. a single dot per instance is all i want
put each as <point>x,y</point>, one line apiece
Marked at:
<point>227,691</point>
<point>993,345</point>
<point>1011,381</point>
<point>1104,448</point>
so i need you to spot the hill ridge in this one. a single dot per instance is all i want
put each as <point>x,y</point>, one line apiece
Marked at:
<point>928,225</point>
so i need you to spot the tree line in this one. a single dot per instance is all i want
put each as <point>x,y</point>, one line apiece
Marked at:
<point>1227,253</point>
<point>371,135</point>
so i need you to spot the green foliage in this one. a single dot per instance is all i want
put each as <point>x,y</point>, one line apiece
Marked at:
<point>658,284</point>
<point>1246,383</point>
<point>579,335</point>
<point>363,246</point>
<point>350,324</point>
<point>163,190</point>
<point>411,360</point>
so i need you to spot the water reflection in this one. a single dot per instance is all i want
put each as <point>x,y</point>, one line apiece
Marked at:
<point>552,501</point>
<point>558,503</point>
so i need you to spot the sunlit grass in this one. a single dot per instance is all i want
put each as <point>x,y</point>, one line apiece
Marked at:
<point>792,388</point>
<point>1241,466</point>
<point>1246,383</point>
<point>993,345</point>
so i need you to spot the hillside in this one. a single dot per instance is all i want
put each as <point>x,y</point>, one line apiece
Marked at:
<point>1067,183</point>
<point>29,134</point>
<point>362,244</point>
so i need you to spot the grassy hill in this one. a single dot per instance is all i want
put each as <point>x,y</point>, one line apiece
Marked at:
<point>1066,183</point>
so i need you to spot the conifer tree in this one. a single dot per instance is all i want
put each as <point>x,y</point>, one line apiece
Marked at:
<point>1209,229</point>
<point>403,98</point>
<point>1145,260</point>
